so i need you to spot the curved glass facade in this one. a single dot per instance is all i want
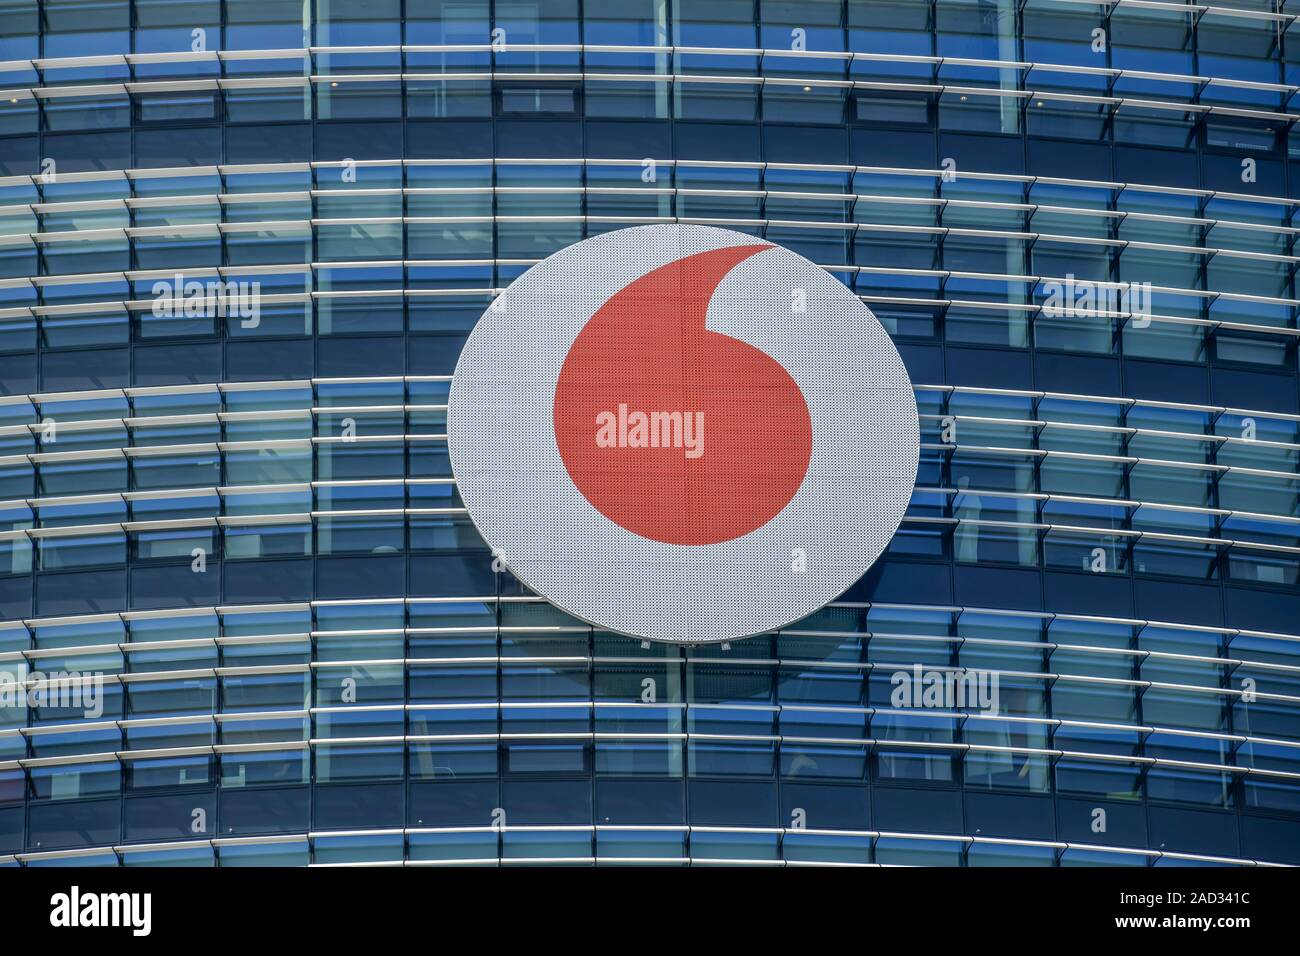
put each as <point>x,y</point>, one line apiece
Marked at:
<point>242,242</point>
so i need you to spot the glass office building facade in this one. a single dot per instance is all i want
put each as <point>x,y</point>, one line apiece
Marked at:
<point>1075,218</point>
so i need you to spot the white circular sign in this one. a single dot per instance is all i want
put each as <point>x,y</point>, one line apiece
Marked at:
<point>683,433</point>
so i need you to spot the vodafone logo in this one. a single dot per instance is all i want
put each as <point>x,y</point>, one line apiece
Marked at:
<point>683,433</point>
<point>658,384</point>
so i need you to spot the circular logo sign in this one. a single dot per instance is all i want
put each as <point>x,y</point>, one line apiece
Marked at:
<point>683,433</point>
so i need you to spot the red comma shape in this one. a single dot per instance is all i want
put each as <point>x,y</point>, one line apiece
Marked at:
<point>648,349</point>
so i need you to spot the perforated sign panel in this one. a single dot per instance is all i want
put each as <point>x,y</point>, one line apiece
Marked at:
<point>683,433</point>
